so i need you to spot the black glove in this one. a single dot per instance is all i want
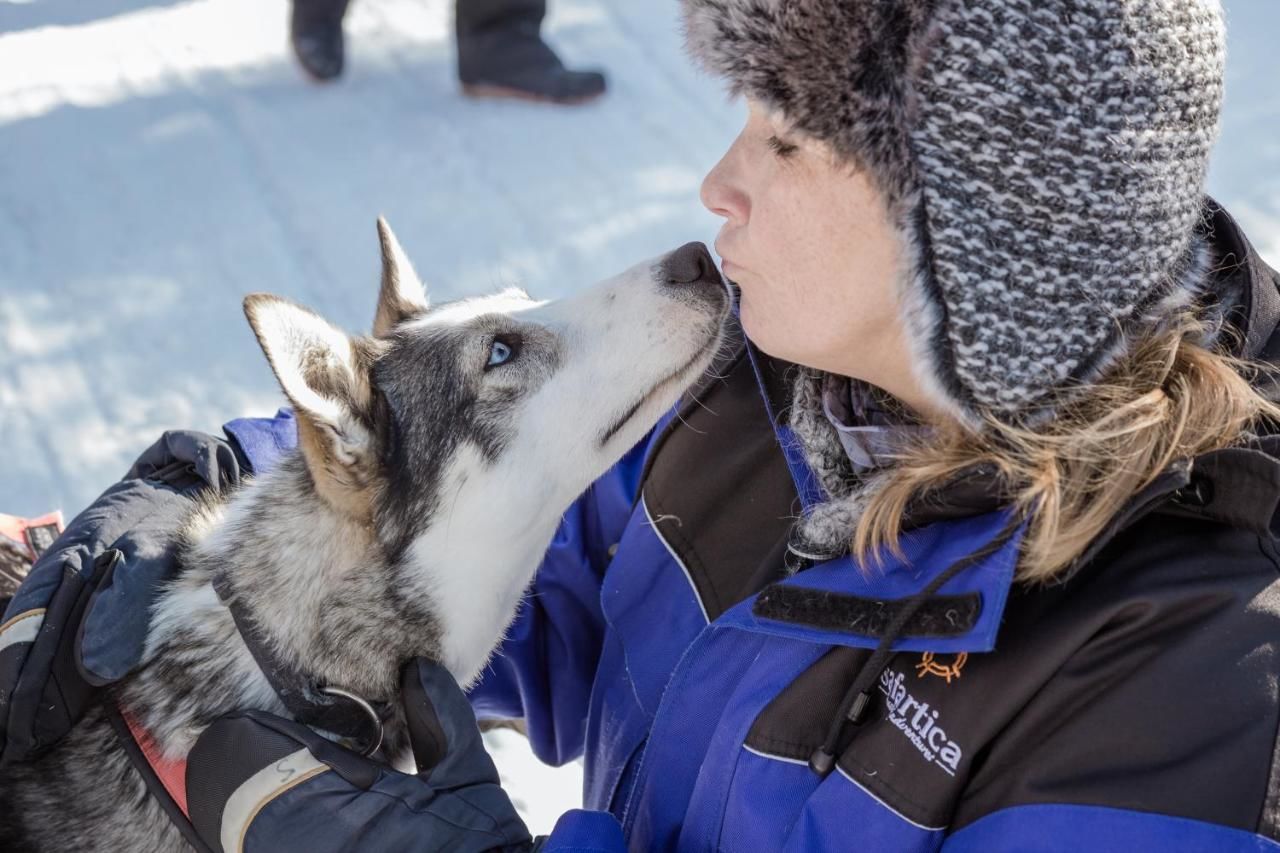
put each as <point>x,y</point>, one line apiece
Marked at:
<point>257,782</point>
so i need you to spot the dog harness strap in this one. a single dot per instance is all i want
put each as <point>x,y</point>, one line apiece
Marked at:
<point>303,697</point>
<point>165,780</point>
<point>172,774</point>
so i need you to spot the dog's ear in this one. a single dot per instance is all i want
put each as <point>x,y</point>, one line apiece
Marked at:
<point>325,374</point>
<point>402,295</point>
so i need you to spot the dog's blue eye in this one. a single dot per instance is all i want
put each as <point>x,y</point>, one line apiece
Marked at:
<point>501,351</point>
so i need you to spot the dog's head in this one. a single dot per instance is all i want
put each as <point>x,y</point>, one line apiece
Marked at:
<point>486,417</point>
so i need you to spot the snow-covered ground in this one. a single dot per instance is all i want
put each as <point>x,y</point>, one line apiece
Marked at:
<point>161,158</point>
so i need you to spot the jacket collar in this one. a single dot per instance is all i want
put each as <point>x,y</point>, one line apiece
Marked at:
<point>840,602</point>
<point>1243,286</point>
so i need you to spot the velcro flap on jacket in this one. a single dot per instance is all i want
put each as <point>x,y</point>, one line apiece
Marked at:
<point>939,616</point>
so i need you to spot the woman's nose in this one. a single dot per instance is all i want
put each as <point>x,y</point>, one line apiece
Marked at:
<point>720,195</point>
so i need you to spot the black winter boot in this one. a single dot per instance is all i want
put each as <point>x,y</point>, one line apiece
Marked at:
<point>501,54</point>
<point>315,30</point>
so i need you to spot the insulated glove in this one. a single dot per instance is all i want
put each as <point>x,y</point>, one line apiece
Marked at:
<point>257,782</point>
<point>115,625</point>
<point>79,619</point>
<point>165,477</point>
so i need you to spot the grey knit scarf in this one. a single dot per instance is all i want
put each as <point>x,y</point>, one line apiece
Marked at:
<point>849,433</point>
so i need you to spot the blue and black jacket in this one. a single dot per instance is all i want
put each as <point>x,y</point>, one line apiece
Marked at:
<point>1132,707</point>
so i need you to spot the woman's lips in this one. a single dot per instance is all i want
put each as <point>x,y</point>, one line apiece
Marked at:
<point>727,265</point>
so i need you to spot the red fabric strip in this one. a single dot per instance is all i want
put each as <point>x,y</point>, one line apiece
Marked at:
<point>172,774</point>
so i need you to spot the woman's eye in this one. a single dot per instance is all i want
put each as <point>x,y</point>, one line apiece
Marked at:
<point>782,148</point>
<point>501,351</point>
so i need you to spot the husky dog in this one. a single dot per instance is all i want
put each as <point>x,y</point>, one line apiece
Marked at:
<point>435,460</point>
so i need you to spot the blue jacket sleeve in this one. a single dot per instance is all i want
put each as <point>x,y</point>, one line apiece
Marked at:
<point>543,672</point>
<point>581,831</point>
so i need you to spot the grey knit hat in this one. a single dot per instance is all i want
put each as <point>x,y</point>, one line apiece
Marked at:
<point>1044,159</point>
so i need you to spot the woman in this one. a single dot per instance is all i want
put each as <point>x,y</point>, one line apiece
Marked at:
<point>970,548</point>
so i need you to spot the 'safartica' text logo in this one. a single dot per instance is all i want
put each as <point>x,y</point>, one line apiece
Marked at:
<point>919,723</point>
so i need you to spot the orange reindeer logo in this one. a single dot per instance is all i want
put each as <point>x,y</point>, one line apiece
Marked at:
<point>929,666</point>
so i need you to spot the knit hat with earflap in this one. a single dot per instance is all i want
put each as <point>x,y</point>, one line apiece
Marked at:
<point>1044,160</point>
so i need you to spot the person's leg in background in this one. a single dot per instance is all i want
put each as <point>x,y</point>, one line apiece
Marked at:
<point>501,54</point>
<point>315,30</point>
<point>499,42</point>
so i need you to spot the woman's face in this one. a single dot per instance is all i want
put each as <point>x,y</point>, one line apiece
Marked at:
<point>810,243</point>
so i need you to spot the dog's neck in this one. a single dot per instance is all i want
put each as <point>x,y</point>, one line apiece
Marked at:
<point>316,586</point>
<point>316,583</point>
<point>327,600</point>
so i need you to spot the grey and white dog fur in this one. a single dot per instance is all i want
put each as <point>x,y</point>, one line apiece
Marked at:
<point>435,460</point>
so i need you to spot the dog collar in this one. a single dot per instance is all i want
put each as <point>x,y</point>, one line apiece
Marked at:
<point>308,700</point>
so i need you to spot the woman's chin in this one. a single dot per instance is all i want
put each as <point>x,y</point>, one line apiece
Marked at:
<point>761,332</point>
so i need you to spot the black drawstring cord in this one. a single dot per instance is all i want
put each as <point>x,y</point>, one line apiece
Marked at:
<point>857,699</point>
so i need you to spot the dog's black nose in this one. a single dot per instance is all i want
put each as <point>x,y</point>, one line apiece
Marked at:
<point>690,264</point>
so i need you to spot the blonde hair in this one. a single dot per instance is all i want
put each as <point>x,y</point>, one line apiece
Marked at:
<point>1170,399</point>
